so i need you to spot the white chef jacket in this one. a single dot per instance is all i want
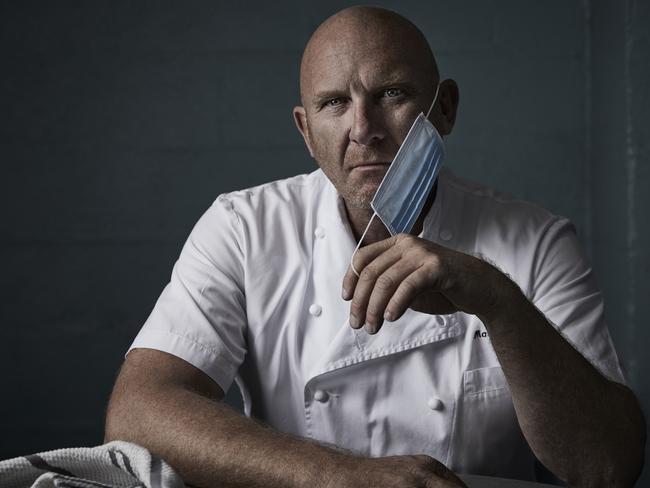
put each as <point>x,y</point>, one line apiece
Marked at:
<point>255,296</point>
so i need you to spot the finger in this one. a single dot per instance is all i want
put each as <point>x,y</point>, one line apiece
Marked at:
<point>426,277</point>
<point>443,476</point>
<point>449,476</point>
<point>383,290</point>
<point>360,260</point>
<point>434,465</point>
<point>455,479</point>
<point>366,283</point>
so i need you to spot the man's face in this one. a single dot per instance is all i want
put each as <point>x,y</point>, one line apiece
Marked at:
<point>360,99</point>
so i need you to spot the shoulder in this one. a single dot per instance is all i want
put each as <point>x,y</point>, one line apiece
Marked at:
<point>275,198</point>
<point>290,190</point>
<point>234,216</point>
<point>519,237</point>
<point>495,209</point>
<point>272,218</point>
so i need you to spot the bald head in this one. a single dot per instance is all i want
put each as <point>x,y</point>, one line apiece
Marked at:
<point>362,31</point>
<point>366,74</point>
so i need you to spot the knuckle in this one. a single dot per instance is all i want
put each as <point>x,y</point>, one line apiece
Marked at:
<point>357,310</point>
<point>408,287</point>
<point>435,264</point>
<point>437,273</point>
<point>369,273</point>
<point>435,261</point>
<point>359,257</point>
<point>385,282</point>
<point>404,240</point>
<point>424,254</point>
<point>431,270</point>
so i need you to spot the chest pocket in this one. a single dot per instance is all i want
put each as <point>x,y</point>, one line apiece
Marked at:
<point>487,439</point>
<point>486,382</point>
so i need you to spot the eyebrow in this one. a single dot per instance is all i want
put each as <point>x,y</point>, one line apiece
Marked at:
<point>394,78</point>
<point>395,81</point>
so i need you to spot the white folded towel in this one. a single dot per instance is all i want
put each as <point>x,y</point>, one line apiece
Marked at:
<point>116,464</point>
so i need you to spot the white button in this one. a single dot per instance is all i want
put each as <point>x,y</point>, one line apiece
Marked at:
<point>319,232</point>
<point>445,234</point>
<point>435,404</point>
<point>321,396</point>
<point>315,309</point>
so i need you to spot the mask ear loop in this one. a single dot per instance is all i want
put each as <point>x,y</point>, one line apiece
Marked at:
<point>434,100</point>
<point>359,244</point>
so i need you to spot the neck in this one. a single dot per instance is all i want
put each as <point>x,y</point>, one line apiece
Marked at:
<point>359,218</point>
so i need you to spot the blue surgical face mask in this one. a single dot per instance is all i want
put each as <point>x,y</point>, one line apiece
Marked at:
<point>402,193</point>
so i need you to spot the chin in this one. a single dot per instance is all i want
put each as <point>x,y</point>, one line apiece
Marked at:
<point>360,200</point>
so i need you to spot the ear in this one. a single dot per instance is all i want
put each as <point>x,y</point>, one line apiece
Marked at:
<point>449,98</point>
<point>300,118</point>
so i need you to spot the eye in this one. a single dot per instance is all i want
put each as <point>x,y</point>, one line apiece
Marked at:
<point>393,92</point>
<point>334,102</point>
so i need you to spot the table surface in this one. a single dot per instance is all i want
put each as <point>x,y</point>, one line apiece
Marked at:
<point>474,481</point>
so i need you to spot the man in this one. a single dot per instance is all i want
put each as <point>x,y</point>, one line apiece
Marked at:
<point>462,365</point>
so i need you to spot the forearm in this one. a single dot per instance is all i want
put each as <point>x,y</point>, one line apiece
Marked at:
<point>210,444</point>
<point>584,428</point>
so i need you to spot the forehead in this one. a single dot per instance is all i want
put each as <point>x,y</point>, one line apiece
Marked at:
<point>337,65</point>
<point>349,51</point>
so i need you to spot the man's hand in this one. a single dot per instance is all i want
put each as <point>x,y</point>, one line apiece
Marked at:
<point>405,271</point>
<point>419,471</point>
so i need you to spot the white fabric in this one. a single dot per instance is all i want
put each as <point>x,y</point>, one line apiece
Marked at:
<point>260,259</point>
<point>116,464</point>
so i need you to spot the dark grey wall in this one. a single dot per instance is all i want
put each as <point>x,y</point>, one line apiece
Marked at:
<point>120,122</point>
<point>618,151</point>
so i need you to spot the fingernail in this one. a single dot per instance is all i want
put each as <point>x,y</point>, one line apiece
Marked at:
<point>354,322</point>
<point>369,329</point>
<point>344,293</point>
<point>388,316</point>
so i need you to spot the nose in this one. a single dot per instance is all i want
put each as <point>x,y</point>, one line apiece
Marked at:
<point>367,124</point>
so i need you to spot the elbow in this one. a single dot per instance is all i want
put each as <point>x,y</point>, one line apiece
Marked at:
<point>622,464</point>
<point>612,476</point>
<point>122,420</point>
<point>630,468</point>
<point>114,424</point>
<point>124,426</point>
<point>630,451</point>
<point>113,428</point>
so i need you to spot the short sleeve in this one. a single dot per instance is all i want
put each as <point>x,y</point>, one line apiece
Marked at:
<point>200,316</point>
<point>565,290</point>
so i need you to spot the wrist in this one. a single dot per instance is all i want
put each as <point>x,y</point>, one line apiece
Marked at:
<point>507,298</point>
<point>336,467</point>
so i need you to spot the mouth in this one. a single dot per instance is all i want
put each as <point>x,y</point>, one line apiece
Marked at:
<point>371,166</point>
